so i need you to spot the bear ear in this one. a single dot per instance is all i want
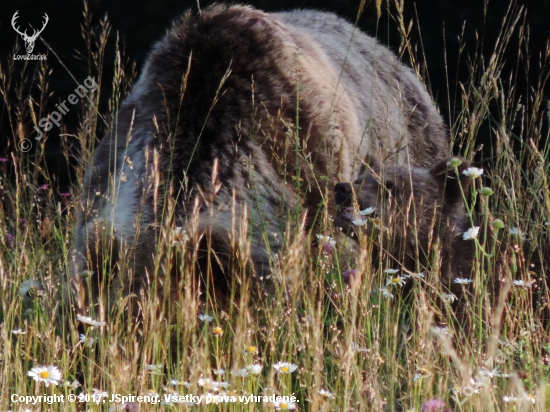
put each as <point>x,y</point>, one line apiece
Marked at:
<point>446,176</point>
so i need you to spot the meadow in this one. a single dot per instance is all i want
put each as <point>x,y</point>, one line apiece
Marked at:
<point>337,332</point>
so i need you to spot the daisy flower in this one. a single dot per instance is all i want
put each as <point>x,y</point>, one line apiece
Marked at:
<point>522,283</point>
<point>367,211</point>
<point>218,371</point>
<point>473,172</point>
<point>240,373</point>
<point>179,236</point>
<point>326,239</point>
<point>18,332</point>
<point>285,367</point>
<point>391,271</point>
<point>154,368</point>
<point>448,297</point>
<point>208,384</point>
<point>462,281</point>
<point>471,233</point>
<point>254,369</point>
<point>359,222</point>
<point>217,331</point>
<point>285,406</point>
<point>386,293</point>
<point>71,385</point>
<point>326,394</point>
<point>47,374</point>
<point>205,318</point>
<point>396,280</point>
<point>89,321</point>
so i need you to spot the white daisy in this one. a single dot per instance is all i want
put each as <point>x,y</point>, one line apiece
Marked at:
<point>254,369</point>
<point>473,172</point>
<point>208,384</point>
<point>179,236</point>
<point>522,283</point>
<point>326,239</point>
<point>385,293</point>
<point>489,373</point>
<point>396,280</point>
<point>359,222</point>
<point>240,373</point>
<point>18,332</point>
<point>462,281</point>
<point>285,367</point>
<point>471,233</point>
<point>218,371</point>
<point>440,330</point>
<point>71,385</point>
<point>154,368</point>
<point>448,297</point>
<point>89,321</point>
<point>391,271</point>
<point>326,394</point>
<point>205,318</point>
<point>367,211</point>
<point>285,406</point>
<point>47,374</point>
<point>509,398</point>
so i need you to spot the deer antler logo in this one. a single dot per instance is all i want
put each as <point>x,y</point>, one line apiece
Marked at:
<point>29,40</point>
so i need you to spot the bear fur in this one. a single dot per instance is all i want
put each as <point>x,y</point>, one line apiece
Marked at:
<point>244,116</point>
<point>423,211</point>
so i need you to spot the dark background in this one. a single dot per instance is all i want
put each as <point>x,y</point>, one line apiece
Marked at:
<point>140,23</point>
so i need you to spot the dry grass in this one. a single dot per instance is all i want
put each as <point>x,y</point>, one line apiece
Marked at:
<point>372,352</point>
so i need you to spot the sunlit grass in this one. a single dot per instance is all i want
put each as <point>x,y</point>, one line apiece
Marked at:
<point>342,329</point>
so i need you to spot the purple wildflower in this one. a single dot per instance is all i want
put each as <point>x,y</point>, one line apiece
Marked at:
<point>44,187</point>
<point>65,194</point>
<point>4,159</point>
<point>433,405</point>
<point>349,275</point>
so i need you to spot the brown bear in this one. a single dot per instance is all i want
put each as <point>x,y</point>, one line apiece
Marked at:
<point>239,120</point>
<point>421,212</point>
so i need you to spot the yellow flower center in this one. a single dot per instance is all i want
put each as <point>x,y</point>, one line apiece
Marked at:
<point>396,280</point>
<point>218,330</point>
<point>284,369</point>
<point>44,374</point>
<point>283,406</point>
<point>251,349</point>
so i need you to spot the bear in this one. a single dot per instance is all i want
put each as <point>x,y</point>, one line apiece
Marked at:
<point>429,228</point>
<point>238,120</point>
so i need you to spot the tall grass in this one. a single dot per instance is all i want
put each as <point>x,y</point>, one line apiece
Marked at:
<point>370,351</point>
